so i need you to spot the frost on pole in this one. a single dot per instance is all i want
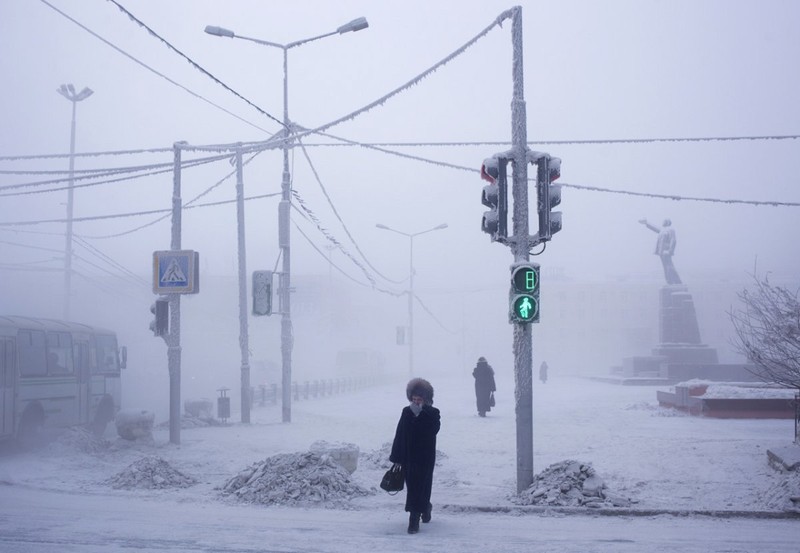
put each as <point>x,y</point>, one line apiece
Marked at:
<point>262,293</point>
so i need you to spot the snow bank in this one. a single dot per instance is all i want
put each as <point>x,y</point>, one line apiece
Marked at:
<point>79,439</point>
<point>150,473</point>
<point>295,479</point>
<point>570,484</point>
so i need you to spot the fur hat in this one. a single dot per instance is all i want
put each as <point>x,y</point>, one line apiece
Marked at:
<point>420,387</point>
<point>481,360</point>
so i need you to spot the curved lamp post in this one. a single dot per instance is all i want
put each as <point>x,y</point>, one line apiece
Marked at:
<point>68,92</point>
<point>286,199</point>
<point>411,286</point>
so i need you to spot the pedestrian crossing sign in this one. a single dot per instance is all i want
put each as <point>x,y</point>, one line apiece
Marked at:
<point>176,272</point>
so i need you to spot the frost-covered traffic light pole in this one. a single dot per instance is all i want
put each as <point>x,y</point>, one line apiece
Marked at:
<point>524,279</point>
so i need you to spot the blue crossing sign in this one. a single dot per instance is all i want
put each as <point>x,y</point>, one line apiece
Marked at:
<point>176,272</point>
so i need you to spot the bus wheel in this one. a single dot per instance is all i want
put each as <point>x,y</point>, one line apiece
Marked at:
<point>105,412</point>
<point>30,434</point>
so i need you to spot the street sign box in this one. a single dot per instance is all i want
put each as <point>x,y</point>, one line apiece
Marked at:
<point>176,272</point>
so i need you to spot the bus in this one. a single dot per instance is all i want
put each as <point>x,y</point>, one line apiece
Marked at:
<point>56,374</point>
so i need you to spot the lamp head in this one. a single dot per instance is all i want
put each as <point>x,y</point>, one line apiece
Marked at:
<point>219,31</point>
<point>354,25</point>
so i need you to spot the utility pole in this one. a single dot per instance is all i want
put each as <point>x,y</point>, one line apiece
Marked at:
<point>244,344</point>
<point>523,341</point>
<point>173,339</point>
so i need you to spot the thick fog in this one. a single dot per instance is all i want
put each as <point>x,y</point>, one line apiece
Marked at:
<point>638,99</point>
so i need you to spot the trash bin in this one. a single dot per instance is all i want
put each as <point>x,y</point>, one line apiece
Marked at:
<point>223,405</point>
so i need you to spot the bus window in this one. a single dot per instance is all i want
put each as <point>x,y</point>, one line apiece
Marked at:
<point>59,353</point>
<point>80,357</point>
<point>32,353</point>
<point>5,380</point>
<point>107,361</point>
<point>9,363</point>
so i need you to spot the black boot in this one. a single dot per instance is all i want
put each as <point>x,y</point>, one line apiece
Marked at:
<point>426,516</point>
<point>413,523</point>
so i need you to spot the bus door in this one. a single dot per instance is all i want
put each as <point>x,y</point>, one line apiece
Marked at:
<point>80,352</point>
<point>8,376</point>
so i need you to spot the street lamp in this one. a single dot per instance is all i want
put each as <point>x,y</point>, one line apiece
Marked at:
<point>68,92</point>
<point>411,286</point>
<point>284,205</point>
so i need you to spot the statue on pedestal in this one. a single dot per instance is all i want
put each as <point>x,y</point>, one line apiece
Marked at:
<point>665,248</point>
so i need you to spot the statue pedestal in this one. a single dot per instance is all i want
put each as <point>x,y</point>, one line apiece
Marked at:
<point>680,355</point>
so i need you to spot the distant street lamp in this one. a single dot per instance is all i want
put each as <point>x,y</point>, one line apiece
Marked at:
<point>68,92</point>
<point>286,200</point>
<point>411,286</point>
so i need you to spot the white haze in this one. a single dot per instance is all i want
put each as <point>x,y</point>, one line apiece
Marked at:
<point>593,71</point>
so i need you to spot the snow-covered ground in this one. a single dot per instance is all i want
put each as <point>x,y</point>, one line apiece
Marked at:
<point>647,457</point>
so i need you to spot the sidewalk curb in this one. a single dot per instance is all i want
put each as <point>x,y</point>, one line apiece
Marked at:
<point>588,511</point>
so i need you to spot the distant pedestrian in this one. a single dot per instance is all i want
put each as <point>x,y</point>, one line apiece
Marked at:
<point>543,372</point>
<point>484,386</point>
<point>414,450</point>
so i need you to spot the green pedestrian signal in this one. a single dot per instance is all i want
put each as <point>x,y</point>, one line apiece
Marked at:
<point>524,294</point>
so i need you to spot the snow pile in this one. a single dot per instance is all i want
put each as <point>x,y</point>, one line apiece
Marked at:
<point>151,473</point>
<point>295,479</point>
<point>570,484</point>
<point>656,410</point>
<point>79,439</point>
<point>748,391</point>
<point>780,495</point>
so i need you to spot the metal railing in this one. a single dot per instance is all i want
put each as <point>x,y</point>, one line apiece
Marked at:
<point>269,393</point>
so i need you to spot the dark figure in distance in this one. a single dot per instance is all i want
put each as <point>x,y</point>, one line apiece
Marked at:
<point>484,385</point>
<point>665,248</point>
<point>543,372</point>
<point>414,449</point>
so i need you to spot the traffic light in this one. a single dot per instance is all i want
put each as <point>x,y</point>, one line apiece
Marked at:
<point>549,196</point>
<point>262,292</point>
<point>495,197</point>
<point>524,296</point>
<point>160,322</point>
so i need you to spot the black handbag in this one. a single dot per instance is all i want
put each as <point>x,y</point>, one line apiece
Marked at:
<point>393,480</point>
<point>491,399</point>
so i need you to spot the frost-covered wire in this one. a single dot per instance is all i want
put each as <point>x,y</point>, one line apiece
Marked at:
<point>168,211</point>
<point>429,312</point>
<point>196,95</point>
<point>336,213</point>
<point>561,142</point>
<point>342,271</point>
<point>309,215</point>
<point>677,197</point>
<point>87,154</point>
<point>155,169</point>
<point>192,62</point>
<point>79,240</point>
<point>416,80</point>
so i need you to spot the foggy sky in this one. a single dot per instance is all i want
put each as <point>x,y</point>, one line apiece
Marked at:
<point>593,71</point>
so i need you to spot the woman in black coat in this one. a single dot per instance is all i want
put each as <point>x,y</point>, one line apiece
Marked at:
<point>484,385</point>
<point>414,449</point>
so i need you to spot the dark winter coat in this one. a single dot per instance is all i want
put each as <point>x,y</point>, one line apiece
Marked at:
<point>484,385</point>
<point>414,448</point>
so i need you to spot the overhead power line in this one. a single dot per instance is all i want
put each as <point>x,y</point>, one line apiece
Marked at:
<point>156,72</point>
<point>555,142</point>
<point>192,62</point>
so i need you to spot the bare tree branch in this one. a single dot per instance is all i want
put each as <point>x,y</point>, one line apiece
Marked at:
<point>767,330</point>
